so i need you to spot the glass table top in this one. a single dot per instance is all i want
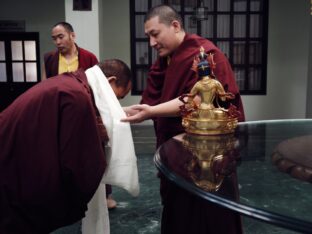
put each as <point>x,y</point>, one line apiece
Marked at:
<point>249,171</point>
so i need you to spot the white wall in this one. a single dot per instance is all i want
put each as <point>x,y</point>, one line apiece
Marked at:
<point>287,70</point>
<point>86,26</point>
<point>309,85</point>
<point>115,41</point>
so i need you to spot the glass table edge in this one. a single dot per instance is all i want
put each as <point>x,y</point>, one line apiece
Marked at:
<point>246,210</point>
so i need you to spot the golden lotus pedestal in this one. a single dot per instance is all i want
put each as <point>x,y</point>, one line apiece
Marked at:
<point>209,126</point>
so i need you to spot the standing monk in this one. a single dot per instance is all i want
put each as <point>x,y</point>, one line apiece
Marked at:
<point>170,77</point>
<point>68,56</point>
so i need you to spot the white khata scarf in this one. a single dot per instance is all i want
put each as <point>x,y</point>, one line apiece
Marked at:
<point>121,167</point>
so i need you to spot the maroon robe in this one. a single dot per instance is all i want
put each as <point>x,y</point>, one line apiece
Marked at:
<point>51,158</point>
<point>166,82</point>
<point>51,61</point>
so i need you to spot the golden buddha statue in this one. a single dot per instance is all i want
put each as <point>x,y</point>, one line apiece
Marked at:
<point>207,117</point>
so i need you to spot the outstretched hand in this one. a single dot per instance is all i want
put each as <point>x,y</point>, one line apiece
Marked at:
<point>137,113</point>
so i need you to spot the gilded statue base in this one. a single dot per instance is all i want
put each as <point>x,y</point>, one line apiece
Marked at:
<point>209,127</point>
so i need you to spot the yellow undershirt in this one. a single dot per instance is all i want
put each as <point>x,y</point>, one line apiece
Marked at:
<point>67,66</point>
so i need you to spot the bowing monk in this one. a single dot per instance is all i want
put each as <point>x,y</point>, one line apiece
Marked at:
<point>51,154</point>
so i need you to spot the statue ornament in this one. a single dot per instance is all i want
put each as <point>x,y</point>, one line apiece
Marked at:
<point>207,117</point>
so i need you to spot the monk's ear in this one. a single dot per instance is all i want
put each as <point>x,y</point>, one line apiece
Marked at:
<point>111,79</point>
<point>176,25</point>
<point>73,35</point>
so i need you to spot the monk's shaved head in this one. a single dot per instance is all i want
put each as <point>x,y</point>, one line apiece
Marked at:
<point>117,68</point>
<point>166,14</point>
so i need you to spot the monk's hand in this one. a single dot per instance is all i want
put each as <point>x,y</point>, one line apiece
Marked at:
<point>130,110</point>
<point>137,113</point>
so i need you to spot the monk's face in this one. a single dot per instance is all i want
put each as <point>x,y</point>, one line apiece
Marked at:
<point>63,39</point>
<point>163,38</point>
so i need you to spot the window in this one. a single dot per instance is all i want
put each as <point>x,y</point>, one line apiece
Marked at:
<point>19,64</point>
<point>237,27</point>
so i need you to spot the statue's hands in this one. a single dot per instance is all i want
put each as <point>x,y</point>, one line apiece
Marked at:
<point>137,113</point>
<point>227,95</point>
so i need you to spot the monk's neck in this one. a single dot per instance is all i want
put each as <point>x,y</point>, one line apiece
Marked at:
<point>72,52</point>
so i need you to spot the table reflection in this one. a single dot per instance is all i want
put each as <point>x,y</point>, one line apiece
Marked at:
<point>214,157</point>
<point>209,163</point>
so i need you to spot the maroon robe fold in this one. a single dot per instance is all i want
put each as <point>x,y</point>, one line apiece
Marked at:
<point>85,60</point>
<point>51,158</point>
<point>166,82</point>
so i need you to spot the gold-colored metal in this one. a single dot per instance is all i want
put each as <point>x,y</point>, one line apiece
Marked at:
<point>207,117</point>
<point>214,158</point>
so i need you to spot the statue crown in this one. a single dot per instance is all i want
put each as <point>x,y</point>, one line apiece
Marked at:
<point>203,66</point>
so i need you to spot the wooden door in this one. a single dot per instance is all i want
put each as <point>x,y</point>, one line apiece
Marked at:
<point>19,64</point>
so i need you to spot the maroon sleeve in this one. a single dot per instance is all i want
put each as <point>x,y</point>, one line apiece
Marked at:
<point>155,81</point>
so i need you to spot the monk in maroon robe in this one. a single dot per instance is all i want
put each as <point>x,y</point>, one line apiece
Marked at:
<point>51,154</point>
<point>170,77</point>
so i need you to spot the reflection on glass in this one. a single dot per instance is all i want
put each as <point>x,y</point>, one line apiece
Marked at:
<point>30,50</point>
<point>240,5</point>
<point>239,52</point>
<point>255,52</point>
<point>214,158</point>
<point>18,72</point>
<point>256,5</point>
<point>17,50</point>
<point>254,78</point>
<point>189,5</point>
<point>31,72</point>
<point>224,5</point>
<point>190,24</point>
<point>239,26</point>
<point>141,5</point>
<point>223,26</point>
<point>154,55</point>
<point>139,25</point>
<point>255,22</point>
<point>240,78</point>
<point>141,79</point>
<point>224,46</point>
<point>176,4</point>
<point>155,2</point>
<point>207,27</point>
<point>2,50</point>
<point>209,4</point>
<point>141,53</point>
<point>3,76</point>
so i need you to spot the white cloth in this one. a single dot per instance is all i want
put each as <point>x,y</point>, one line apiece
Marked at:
<point>121,167</point>
<point>96,220</point>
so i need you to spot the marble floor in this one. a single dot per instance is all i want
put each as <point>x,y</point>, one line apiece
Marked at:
<point>142,215</point>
